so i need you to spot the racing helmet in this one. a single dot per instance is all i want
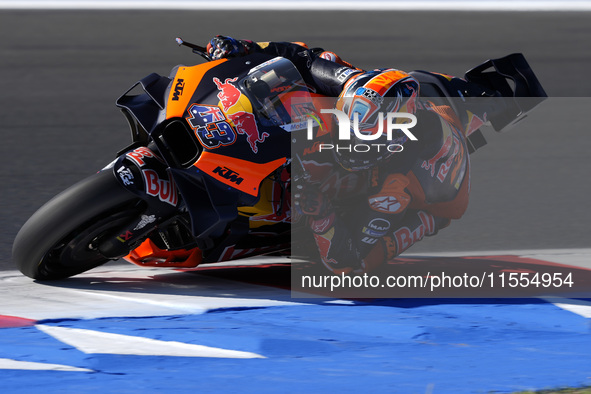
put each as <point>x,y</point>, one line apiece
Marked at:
<point>366,100</point>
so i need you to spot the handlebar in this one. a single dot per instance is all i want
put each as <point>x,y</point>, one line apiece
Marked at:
<point>197,49</point>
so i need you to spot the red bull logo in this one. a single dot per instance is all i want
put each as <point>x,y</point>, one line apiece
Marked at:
<point>429,165</point>
<point>245,123</point>
<point>137,155</point>
<point>406,237</point>
<point>411,105</point>
<point>229,94</point>
<point>164,189</point>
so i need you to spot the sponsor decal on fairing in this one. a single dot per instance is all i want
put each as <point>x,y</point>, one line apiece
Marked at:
<point>211,126</point>
<point>145,220</point>
<point>138,154</point>
<point>215,128</point>
<point>228,174</point>
<point>164,189</point>
<point>125,175</point>
<point>178,89</point>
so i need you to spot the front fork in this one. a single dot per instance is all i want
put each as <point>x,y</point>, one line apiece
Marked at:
<point>144,174</point>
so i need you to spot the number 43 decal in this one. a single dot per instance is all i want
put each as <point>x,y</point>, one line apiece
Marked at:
<point>211,126</point>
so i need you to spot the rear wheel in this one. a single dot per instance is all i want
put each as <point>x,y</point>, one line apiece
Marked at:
<point>60,240</point>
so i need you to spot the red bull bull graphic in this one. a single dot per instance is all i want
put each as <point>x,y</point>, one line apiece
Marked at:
<point>229,94</point>
<point>411,104</point>
<point>245,123</point>
<point>451,159</point>
<point>430,164</point>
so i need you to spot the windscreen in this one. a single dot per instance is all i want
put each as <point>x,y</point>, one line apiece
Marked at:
<point>271,87</point>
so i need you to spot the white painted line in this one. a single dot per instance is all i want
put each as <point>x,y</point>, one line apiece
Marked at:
<point>278,5</point>
<point>7,363</point>
<point>131,291</point>
<point>174,304</point>
<point>96,342</point>
<point>580,307</point>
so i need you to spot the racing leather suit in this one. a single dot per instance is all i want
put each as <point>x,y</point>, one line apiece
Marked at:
<point>408,197</point>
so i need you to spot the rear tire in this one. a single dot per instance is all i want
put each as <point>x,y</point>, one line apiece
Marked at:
<point>59,240</point>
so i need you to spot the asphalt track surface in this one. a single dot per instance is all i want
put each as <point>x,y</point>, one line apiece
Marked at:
<point>60,75</point>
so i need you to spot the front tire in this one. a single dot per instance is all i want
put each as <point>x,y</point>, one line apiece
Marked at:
<point>59,240</point>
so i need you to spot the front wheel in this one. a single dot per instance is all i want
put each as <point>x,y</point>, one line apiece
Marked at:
<point>60,239</point>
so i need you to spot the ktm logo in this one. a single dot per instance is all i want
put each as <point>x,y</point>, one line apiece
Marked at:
<point>227,173</point>
<point>312,149</point>
<point>178,89</point>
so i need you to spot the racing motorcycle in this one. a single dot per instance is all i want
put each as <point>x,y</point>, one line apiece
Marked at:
<point>207,176</point>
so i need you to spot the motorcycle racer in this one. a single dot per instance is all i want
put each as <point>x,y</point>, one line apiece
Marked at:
<point>286,148</point>
<point>408,196</point>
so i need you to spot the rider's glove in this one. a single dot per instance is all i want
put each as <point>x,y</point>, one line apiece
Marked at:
<point>310,201</point>
<point>223,47</point>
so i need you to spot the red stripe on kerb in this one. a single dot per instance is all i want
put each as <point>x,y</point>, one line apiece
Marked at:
<point>13,321</point>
